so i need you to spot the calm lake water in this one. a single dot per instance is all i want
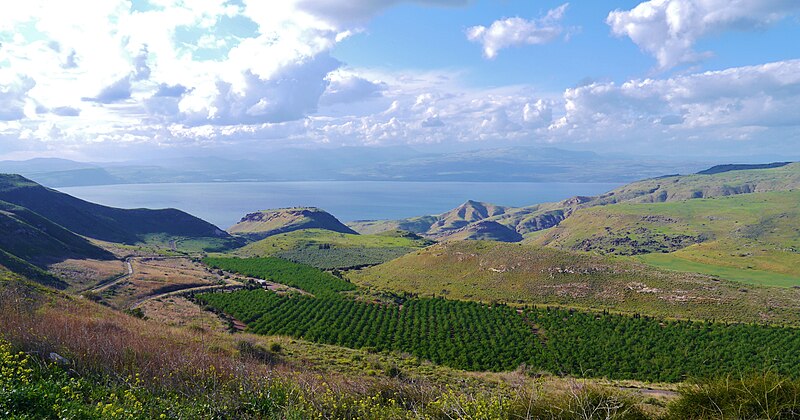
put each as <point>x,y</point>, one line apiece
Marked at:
<point>225,203</point>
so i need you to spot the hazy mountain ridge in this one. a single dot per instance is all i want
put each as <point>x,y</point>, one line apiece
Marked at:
<point>509,164</point>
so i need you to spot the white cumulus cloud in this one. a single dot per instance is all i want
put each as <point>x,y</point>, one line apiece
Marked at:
<point>669,29</point>
<point>517,31</point>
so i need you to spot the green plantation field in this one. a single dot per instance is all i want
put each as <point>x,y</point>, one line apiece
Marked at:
<point>285,272</point>
<point>464,335</point>
<point>530,275</point>
<point>472,336</point>
<point>343,258</point>
<point>327,249</point>
<point>497,337</point>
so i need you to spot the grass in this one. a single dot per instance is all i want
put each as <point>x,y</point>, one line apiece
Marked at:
<point>320,237</point>
<point>525,274</point>
<point>154,275</point>
<point>123,367</point>
<point>738,274</point>
<point>752,238</point>
<point>83,274</point>
<point>343,258</point>
<point>327,249</point>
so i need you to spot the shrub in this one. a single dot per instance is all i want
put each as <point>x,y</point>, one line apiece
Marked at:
<point>754,396</point>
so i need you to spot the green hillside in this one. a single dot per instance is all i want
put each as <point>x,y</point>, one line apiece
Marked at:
<point>753,238</point>
<point>718,182</point>
<point>128,226</point>
<point>525,274</point>
<point>12,264</point>
<point>262,224</point>
<point>327,249</point>
<point>37,240</point>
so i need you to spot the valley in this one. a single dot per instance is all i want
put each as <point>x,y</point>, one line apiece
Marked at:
<point>657,285</point>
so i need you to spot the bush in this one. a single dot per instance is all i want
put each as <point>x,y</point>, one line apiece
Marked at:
<point>754,396</point>
<point>255,352</point>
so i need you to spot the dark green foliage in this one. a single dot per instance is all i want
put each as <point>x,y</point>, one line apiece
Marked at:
<point>256,352</point>
<point>478,337</point>
<point>624,347</point>
<point>465,335</point>
<point>135,312</point>
<point>285,272</point>
<point>343,258</point>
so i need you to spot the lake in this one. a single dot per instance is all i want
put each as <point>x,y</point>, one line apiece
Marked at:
<point>223,204</point>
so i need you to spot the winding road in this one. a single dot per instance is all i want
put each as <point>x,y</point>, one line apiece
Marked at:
<point>105,284</point>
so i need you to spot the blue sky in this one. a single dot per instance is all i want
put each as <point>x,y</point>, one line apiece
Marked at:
<point>116,78</point>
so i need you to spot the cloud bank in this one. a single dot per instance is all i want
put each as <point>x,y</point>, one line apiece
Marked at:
<point>159,75</point>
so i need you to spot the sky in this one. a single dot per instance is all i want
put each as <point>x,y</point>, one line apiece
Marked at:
<point>114,80</point>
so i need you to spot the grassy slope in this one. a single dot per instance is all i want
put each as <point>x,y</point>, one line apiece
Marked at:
<point>526,220</point>
<point>327,249</point>
<point>316,237</point>
<point>37,240</point>
<point>123,367</point>
<point>101,222</point>
<point>752,238</point>
<point>525,274</point>
<point>262,224</point>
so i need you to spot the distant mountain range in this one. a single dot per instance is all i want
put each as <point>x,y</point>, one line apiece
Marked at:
<point>476,220</point>
<point>511,164</point>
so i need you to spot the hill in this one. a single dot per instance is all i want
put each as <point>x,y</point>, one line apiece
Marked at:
<point>328,249</point>
<point>718,169</point>
<point>527,220</point>
<point>127,226</point>
<point>753,238</point>
<point>525,274</point>
<point>35,239</point>
<point>29,243</point>
<point>467,221</point>
<point>262,224</point>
